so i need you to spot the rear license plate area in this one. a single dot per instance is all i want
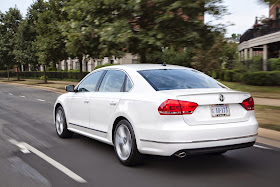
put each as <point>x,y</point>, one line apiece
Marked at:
<point>220,110</point>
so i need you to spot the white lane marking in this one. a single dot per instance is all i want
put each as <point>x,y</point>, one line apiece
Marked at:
<point>41,100</point>
<point>22,147</point>
<point>22,96</point>
<point>262,147</point>
<point>11,94</point>
<point>51,161</point>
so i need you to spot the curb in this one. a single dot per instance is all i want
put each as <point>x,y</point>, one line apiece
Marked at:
<point>270,134</point>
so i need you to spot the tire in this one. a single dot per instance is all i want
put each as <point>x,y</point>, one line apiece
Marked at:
<point>125,144</point>
<point>61,125</point>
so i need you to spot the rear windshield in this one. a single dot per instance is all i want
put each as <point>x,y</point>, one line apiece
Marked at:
<point>172,79</point>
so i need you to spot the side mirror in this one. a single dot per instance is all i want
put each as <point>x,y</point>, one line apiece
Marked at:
<point>70,88</point>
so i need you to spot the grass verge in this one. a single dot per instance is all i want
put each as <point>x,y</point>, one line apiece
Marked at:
<point>36,82</point>
<point>268,116</point>
<point>272,92</point>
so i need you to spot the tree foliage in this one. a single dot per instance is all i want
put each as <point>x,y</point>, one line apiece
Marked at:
<point>9,24</point>
<point>140,26</point>
<point>50,43</point>
<point>55,30</point>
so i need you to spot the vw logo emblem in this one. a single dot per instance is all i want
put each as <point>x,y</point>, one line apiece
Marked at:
<point>222,98</point>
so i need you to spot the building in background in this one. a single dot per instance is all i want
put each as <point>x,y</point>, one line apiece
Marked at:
<point>263,39</point>
<point>89,64</point>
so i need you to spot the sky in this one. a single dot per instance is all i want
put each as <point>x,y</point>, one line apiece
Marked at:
<point>242,13</point>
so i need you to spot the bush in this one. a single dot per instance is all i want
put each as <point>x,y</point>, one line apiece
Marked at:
<point>222,75</point>
<point>273,64</point>
<point>51,69</point>
<point>228,75</point>
<point>215,75</point>
<point>262,78</point>
<point>101,66</point>
<point>170,56</point>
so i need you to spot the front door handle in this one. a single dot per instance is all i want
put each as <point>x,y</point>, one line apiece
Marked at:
<point>113,103</point>
<point>86,101</point>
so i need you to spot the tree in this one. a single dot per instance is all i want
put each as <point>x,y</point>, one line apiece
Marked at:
<point>50,44</point>
<point>9,23</point>
<point>210,59</point>
<point>25,48</point>
<point>270,1</point>
<point>139,26</point>
<point>79,30</point>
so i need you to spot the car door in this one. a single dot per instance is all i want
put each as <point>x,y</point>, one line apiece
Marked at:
<point>79,102</point>
<point>105,101</point>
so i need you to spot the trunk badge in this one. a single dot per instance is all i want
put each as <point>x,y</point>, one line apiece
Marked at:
<point>222,98</point>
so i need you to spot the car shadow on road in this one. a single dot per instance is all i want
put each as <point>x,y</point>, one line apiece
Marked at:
<point>196,164</point>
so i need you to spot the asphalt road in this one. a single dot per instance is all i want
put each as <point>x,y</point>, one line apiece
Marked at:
<point>26,116</point>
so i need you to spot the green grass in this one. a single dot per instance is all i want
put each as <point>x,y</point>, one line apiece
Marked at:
<point>270,126</point>
<point>36,82</point>
<point>272,92</point>
<point>268,116</point>
<point>266,107</point>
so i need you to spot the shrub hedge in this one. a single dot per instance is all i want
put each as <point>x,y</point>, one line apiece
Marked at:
<point>229,75</point>
<point>259,78</point>
<point>50,74</point>
<point>262,78</point>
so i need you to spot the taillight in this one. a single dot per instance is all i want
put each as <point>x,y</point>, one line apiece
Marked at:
<point>188,107</point>
<point>248,104</point>
<point>176,107</point>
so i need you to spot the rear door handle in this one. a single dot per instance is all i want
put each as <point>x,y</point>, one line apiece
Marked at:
<point>86,101</point>
<point>113,103</point>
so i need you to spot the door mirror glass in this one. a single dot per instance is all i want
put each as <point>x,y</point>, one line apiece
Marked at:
<point>70,88</point>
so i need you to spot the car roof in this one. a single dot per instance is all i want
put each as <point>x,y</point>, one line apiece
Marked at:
<point>138,67</point>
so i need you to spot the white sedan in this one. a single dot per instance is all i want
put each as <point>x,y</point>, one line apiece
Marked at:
<point>156,109</point>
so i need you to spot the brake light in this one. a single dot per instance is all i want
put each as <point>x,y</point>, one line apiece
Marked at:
<point>248,104</point>
<point>188,107</point>
<point>176,107</point>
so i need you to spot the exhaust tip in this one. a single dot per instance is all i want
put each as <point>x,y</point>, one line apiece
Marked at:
<point>181,154</point>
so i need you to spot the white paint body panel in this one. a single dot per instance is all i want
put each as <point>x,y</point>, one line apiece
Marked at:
<point>163,134</point>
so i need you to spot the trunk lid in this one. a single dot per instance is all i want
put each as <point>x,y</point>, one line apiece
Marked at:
<point>209,99</point>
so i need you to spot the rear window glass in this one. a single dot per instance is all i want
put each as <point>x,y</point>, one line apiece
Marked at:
<point>172,79</point>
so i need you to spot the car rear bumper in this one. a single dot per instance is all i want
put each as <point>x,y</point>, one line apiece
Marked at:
<point>215,149</point>
<point>169,149</point>
<point>199,138</point>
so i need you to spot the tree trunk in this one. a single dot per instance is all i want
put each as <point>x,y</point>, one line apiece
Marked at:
<point>143,59</point>
<point>81,66</point>
<point>8,72</point>
<point>45,76</point>
<point>18,73</point>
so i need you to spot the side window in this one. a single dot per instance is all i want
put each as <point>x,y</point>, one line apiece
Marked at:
<point>89,84</point>
<point>112,81</point>
<point>128,84</point>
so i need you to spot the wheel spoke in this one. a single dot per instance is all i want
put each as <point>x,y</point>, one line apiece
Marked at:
<point>59,122</point>
<point>123,142</point>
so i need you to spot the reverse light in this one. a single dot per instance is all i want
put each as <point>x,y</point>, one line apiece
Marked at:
<point>176,107</point>
<point>248,104</point>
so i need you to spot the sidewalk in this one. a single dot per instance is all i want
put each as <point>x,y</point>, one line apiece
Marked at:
<point>266,101</point>
<point>269,137</point>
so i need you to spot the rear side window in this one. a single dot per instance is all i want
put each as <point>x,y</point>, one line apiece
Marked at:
<point>128,85</point>
<point>171,79</point>
<point>113,81</point>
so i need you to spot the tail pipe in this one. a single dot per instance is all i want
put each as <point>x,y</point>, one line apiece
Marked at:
<point>181,154</point>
